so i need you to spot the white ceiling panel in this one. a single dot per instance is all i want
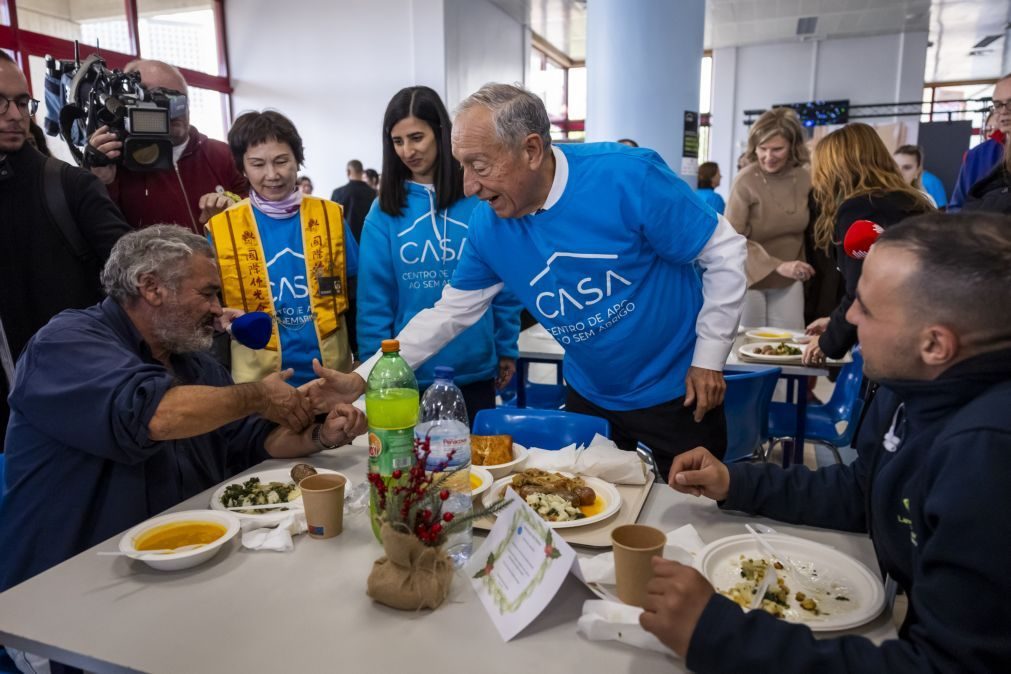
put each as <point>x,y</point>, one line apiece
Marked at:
<point>954,27</point>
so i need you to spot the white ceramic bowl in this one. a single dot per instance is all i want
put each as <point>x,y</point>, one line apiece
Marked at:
<point>174,561</point>
<point>486,480</point>
<point>768,334</point>
<point>500,470</point>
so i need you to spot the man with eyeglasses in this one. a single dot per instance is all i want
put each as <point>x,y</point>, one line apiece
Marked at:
<point>43,272</point>
<point>983,158</point>
<point>190,193</point>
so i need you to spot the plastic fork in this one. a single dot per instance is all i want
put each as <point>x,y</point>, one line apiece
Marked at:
<point>796,575</point>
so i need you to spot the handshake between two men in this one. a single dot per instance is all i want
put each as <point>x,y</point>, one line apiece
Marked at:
<point>296,408</point>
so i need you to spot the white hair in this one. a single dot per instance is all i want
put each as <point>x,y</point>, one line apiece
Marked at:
<point>516,112</point>
<point>161,250</point>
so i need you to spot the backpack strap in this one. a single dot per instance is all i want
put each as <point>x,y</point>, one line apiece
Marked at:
<point>59,211</point>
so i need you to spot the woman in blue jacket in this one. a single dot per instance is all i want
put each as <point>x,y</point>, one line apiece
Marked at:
<point>413,237</point>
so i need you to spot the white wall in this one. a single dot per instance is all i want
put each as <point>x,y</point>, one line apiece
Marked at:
<point>483,44</point>
<point>332,67</point>
<point>879,69</point>
<point>329,66</point>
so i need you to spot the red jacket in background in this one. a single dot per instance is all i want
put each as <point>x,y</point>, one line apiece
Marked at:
<point>172,197</point>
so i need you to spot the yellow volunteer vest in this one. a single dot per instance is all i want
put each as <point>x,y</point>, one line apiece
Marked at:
<point>245,283</point>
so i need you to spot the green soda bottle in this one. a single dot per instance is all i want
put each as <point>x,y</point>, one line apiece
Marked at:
<point>391,403</point>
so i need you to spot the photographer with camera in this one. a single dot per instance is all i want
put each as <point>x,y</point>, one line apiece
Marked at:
<point>203,169</point>
<point>58,226</point>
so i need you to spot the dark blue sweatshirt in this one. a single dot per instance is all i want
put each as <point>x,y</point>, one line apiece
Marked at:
<point>938,509</point>
<point>81,466</point>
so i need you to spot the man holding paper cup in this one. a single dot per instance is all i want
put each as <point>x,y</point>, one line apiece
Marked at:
<point>932,484</point>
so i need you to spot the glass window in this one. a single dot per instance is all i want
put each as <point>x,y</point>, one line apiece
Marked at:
<point>577,94</point>
<point>208,110</point>
<point>706,86</point>
<point>963,102</point>
<point>97,22</point>
<point>182,32</point>
<point>57,147</point>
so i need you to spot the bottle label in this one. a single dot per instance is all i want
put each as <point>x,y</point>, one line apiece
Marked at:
<point>375,446</point>
<point>390,449</point>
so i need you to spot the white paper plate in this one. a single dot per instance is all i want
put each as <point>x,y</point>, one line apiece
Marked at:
<point>486,480</point>
<point>720,563</point>
<point>605,490</point>
<point>276,475</point>
<point>748,351</point>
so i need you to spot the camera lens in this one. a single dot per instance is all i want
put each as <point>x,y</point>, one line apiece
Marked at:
<point>145,154</point>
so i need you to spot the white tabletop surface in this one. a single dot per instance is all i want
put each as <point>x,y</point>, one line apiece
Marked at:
<point>535,342</point>
<point>307,611</point>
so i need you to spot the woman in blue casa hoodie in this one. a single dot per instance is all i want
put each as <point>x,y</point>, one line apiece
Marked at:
<point>412,240</point>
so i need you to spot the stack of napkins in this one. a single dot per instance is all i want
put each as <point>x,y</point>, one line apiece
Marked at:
<point>606,620</point>
<point>277,537</point>
<point>601,459</point>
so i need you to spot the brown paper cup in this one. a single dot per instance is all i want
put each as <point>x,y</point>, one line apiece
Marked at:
<point>323,499</point>
<point>635,545</point>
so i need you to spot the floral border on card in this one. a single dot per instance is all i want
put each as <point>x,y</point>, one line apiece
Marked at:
<point>551,553</point>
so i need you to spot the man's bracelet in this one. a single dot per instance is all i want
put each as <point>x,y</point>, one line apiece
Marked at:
<point>317,439</point>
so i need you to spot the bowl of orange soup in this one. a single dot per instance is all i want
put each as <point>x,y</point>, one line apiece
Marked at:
<point>179,540</point>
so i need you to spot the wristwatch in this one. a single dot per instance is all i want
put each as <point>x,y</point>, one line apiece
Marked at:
<point>317,439</point>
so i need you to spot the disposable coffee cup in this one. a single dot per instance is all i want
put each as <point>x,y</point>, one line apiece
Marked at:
<point>635,545</point>
<point>323,500</point>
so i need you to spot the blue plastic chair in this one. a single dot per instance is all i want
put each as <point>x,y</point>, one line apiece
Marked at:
<point>832,424</point>
<point>746,406</point>
<point>547,429</point>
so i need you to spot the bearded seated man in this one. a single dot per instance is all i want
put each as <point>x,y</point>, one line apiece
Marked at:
<point>119,412</point>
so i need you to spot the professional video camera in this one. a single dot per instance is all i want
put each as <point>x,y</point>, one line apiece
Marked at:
<point>95,96</point>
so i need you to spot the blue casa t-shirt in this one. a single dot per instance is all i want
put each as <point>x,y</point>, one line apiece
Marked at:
<point>608,270</point>
<point>285,256</point>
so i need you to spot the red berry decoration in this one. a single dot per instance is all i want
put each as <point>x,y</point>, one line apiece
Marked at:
<point>447,517</point>
<point>397,474</point>
<point>444,494</point>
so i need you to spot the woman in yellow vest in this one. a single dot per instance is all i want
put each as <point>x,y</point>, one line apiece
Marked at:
<point>283,252</point>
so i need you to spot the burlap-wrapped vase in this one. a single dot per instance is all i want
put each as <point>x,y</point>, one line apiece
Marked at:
<point>412,575</point>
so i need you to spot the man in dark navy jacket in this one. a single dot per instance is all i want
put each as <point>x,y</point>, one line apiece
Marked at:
<point>118,412</point>
<point>932,484</point>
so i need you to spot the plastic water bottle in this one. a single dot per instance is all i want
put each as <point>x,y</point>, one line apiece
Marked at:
<point>442,421</point>
<point>391,403</point>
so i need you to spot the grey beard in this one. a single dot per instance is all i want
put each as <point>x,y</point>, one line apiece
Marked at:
<point>195,341</point>
<point>176,338</point>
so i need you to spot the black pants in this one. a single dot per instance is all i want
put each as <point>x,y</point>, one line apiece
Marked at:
<point>479,395</point>
<point>668,429</point>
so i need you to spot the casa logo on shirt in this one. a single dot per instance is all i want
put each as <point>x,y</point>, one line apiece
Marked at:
<point>598,285</point>
<point>441,247</point>
<point>579,311</point>
<point>289,291</point>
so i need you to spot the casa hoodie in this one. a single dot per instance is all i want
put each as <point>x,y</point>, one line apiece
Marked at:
<point>405,262</point>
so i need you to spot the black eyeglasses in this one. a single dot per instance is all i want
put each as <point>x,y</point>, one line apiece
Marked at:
<point>25,103</point>
<point>1001,105</point>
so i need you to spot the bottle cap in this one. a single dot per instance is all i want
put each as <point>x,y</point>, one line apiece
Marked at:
<point>390,346</point>
<point>444,372</point>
